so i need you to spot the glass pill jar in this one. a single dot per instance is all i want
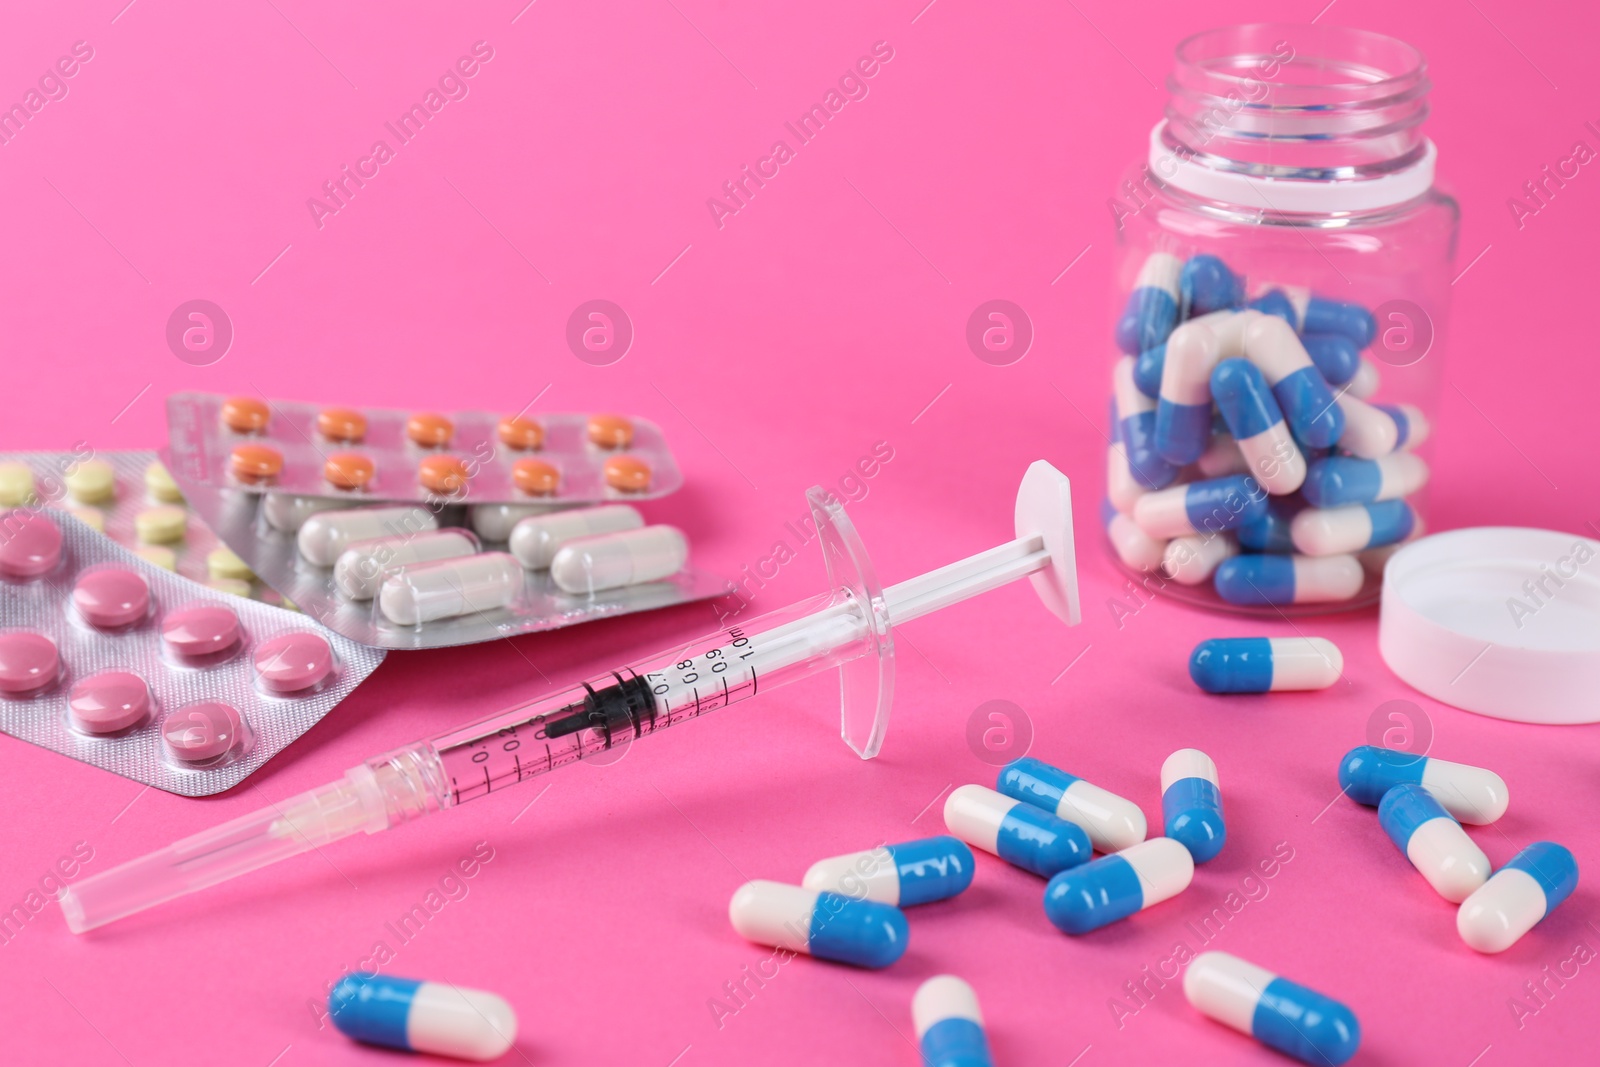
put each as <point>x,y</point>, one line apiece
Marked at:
<point>1282,283</point>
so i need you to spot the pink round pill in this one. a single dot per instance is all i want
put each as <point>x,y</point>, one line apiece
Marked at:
<point>202,731</point>
<point>30,544</point>
<point>293,662</point>
<point>111,596</point>
<point>28,661</point>
<point>109,701</point>
<point>200,630</point>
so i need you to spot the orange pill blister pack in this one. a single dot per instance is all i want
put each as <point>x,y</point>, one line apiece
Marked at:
<point>366,455</point>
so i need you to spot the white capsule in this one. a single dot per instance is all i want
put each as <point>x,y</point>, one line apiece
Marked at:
<point>610,561</point>
<point>361,568</point>
<point>1192,354</point>
<point>494,522</point>
<point>287,512</point>
<point>326,534</point>
<point>1272,345</point>
<point>1222,458</point>
<point>1369,432</point>
<point>1365,381</point>
<point>1274,459</point>
<point>535,541</point>
<point>1375,559</point>
<point>1228,326</point>
<point>1190,560</point>
<point>1133,546</point>
<point>447,588</point>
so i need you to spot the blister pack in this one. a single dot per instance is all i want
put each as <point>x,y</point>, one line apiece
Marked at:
<point>376,454</point>
<point>132,499</point>
<point>117,662</point>
<point>433,575</point>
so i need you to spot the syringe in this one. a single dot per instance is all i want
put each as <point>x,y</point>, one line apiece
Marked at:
<point>847,628</point>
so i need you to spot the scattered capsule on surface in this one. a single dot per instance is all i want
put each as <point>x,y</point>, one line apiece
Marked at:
<point>432,1017</point>
<point>1019,833</point>
<point>1289,579</point>
<point>1152,308</point>
<point>1351,528</point>
<point>1112,822</point>
<point>1518,897</point>
<point>904,875</point>
<point>1191,560</point>
<point>1337,480</point>
<point>1472,794</point>
<point>1265,664</point>
<point>1256,423</point>
<point>829,926</point>
<point>1191,803</point>
<point>1200,507</point>
<point>1133,546</point>
<point>949,1026</point>
<point>1280,1014</point>
<point>1116,886</point>
<point>1433,841</point>
<point>1308,405</point>
<point>1183,409</point>
<point>1136,426</point>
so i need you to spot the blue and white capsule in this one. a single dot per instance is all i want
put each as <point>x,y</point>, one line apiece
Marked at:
<point>904,875</point>
<point>949,1024</point>
<point>1369,431</point>
<point>1207,284</point>
<point>1434,843</point>
<point>1019,833</point>
<point>1152,307</point>
<point>1309,313</point>
<point>1411,425</point>
<point>1192,559</point>
<point>1334,354</point>
<point>1265,664</point>
<point>1227,325</point>
<point>1221,457</point>
<point>1135,548</point>
<point>1147,368</point>
<point>1338,480</point>
<point>1210,506</point>
<point>431,1017</point>
<point>1474,795</point>
<point>1113,823</point>
<point>1308,404</point>
<point>1352,528</point>
<point>827,925</point>
<point>1289,579</point>
<point>1280,1014</point>
<point>1116,886</point>
<point>1183,409</point>
<point>1191,803</point>
<point>1256,423</point>
<point>1366,380</point>
<point>1136,427</point>
<point>1120,485</point>
<point>1518,897</point>
<point>1269,532</point>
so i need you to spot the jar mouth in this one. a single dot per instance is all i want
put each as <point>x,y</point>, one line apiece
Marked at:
<point>1276,100</point>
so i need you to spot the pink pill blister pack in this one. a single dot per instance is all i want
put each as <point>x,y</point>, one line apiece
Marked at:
<point>366,455</point>
<point>120,663</point>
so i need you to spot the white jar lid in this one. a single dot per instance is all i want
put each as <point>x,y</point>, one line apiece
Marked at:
<point>1500,620</point>
<point>1296,196</point>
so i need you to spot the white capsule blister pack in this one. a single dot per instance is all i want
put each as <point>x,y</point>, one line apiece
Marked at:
<point>431,576</point>
<point>129,497</point>
<point>120,663</point>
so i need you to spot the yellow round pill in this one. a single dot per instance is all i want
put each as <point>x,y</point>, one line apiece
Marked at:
<point>162,525</point>
<point>91,482</point>
<point>224,562</point>
<point>236,586</point>
<point>161,556</point>
<point>159,484</point>
<point>16,484</point>
<point>93,518</point>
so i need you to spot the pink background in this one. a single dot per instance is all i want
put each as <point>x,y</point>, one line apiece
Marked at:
<point>824,317</point>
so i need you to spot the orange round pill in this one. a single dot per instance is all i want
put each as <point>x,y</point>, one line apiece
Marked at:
<point>525,434</point>
<point>627,473</point>
<point>348,470</point>
<point>245,414</point>
<point>429,430</point>
<point>255,463</point>
<point>610,431</point>
<point>535,477</point>
<point>341,424</point>
<point>445,475</point>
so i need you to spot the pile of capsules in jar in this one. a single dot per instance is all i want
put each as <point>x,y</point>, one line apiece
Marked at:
<point>382,454</point>
<point>98,647</point>
<point>1244,450</point>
